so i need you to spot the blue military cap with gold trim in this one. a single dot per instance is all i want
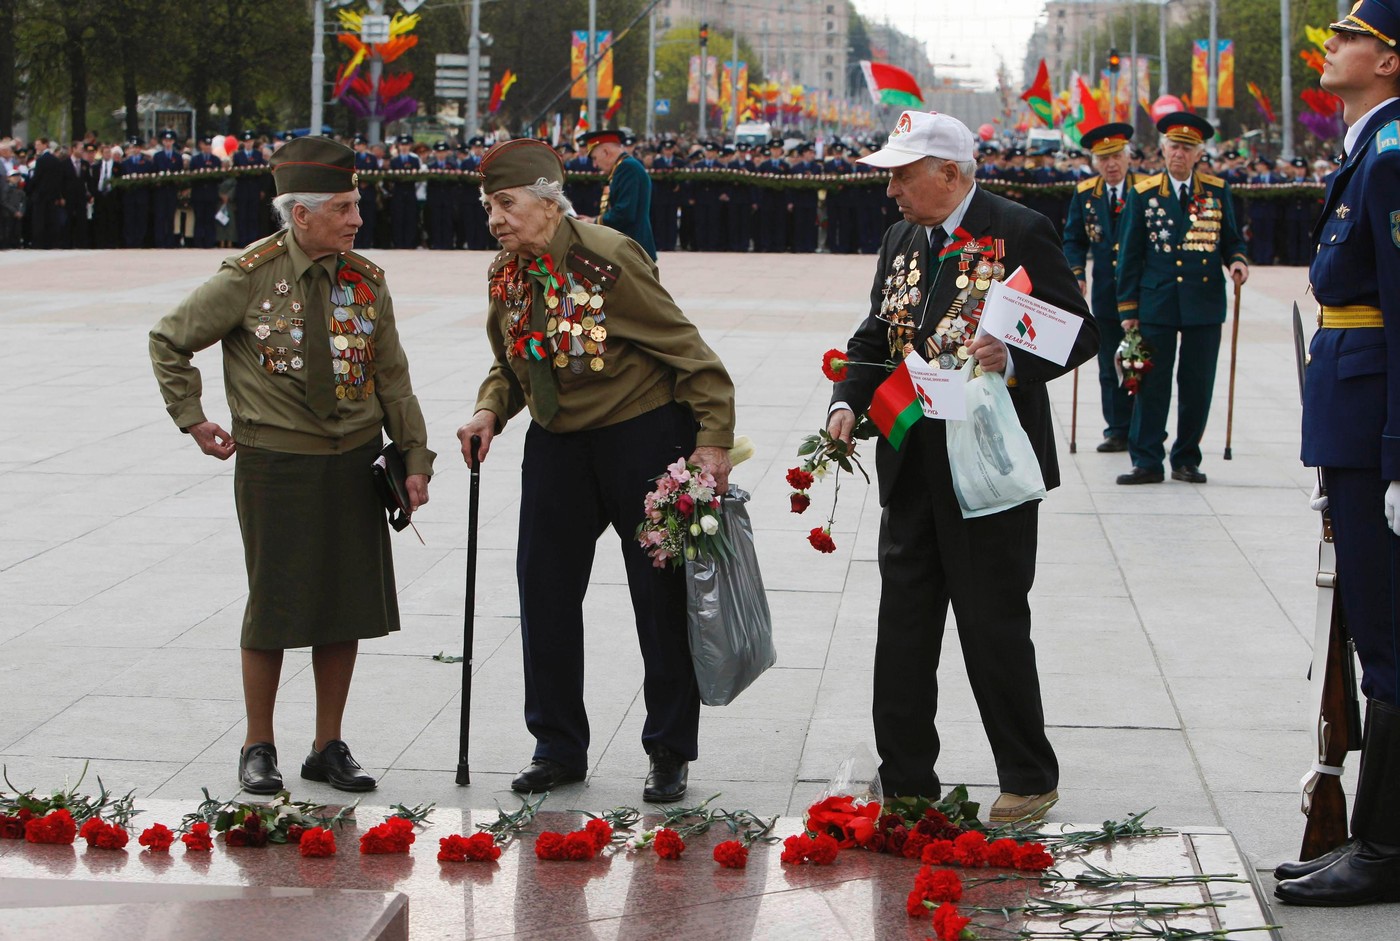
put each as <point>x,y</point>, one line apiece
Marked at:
<point>1378,18</point>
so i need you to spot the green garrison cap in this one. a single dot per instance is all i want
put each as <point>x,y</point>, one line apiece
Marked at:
<point>520,162</point>
<point>314,165</point>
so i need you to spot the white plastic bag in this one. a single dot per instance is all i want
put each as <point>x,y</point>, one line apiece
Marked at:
<point>993,464</point>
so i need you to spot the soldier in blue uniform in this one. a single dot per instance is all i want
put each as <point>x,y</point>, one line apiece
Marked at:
<point>804,202</point>
<point>475,235</point>
<point>1263,216</point>
<point>666,198</point>
<point>705,203</point>
<point>204,193</point>
<point>1095,220</point>
<point>773,203</point>
<point>1351,432</point>
<point>136,200</point>
<point>366,162</point>
<point>1178,234</point>
<point>403,201</point>
<point>840,220</point>
<point>166,160</point>
<point>441,196</point>
<point>250,192</point>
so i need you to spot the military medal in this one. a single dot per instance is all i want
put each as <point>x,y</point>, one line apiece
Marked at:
<point>265,306</point>
<point>263,330</point>
<point>296,362</point>
<point>298,330</point>
<point>282,287</point>
<point>281,325</point>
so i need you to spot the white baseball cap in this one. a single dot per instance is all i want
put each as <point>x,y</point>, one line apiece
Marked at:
<point>920,134</point>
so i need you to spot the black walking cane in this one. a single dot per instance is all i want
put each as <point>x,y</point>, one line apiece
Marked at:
<point>464,775</point>
<point>1234,347</point>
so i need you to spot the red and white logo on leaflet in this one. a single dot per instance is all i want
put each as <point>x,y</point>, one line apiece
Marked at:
<point>904,126</point>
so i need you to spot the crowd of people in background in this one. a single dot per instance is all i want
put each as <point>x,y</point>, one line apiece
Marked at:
<point>57,196</point>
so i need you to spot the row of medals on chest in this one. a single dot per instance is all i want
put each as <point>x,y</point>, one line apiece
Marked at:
<point>948,347</point>
<point>352,349</point>
<point>575,327</point>
<point>1203,236</point>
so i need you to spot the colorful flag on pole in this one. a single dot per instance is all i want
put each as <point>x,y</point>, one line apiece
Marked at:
<point>614,104</point>
<point>1038,96</point>
<point>498,91</point>
<point>895,407</point>
<point>1262,102</point>
<point>890,85</point>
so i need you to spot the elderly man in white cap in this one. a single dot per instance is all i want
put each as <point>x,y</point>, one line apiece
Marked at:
<point>932,278</point>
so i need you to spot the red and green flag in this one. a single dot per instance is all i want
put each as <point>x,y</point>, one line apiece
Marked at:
<point>1038,96</point>
<point>895,407</point>
<point>890,85</point>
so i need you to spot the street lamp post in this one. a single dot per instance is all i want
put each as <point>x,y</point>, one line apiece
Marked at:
<point>651,74</point>
<point>1286,76</point>
<point>318,66</point>
<point>473,73</point>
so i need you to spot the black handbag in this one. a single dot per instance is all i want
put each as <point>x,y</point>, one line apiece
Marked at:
<point>391,482</point>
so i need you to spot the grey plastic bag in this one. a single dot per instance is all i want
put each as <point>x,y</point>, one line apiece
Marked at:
<point>993,464</point>
<point>731,630</point>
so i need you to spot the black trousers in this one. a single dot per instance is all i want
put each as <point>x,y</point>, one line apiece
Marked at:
<point>930,557</point>
<point>1195,383</point>
<point>1368,575</point>
<point>573,486</point>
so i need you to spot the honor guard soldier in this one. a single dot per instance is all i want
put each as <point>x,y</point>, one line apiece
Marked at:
<point>840,211</point>
<point>584,194</point>
<point>136,199</point>
<point>773,202</point>
<point>626,202</point>
<point>1091,231</point>
<point>441,190</point>
<point>365,163</point>
<point>804,201</point>
<point>204,192</point>
<point>403,199</point>
<point>1351,432</point>
<point>706,204</point>
<point>627,390</point>
<point>1178,236</point>
<point>666,198</point>
<point>250,192</point>
<point>166,160</point>
<point>473,213</point>
<point>314,374</point>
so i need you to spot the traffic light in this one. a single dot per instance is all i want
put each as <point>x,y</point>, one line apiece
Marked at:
<point>1113,61</point>
<point>704,35</point>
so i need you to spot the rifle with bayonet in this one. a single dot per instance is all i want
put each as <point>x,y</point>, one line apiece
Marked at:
<point>1332,685</point>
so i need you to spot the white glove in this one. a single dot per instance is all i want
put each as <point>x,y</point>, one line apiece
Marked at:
<point>1392,501</point>
<point>1318,501</point>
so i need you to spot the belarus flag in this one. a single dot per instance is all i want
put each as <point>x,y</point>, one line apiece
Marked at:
<point>891,86</point>
<point>895,407</point>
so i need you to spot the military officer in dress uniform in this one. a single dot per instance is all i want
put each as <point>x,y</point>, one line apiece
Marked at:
<point>1351,433</point>
<point>626,202</point>
<point>441,196</point>
<point>166,160</point>
<point>1095,220</point>
<point>774,205</point>
<point>314,373</point>
<point>705,202</point>
<point>840,211</point>
<point>365,161</point>
<point>628,390</point>
<point>1178,235</point>
<point>136,199</point>
<point>250,192</point>
<point>804,202</point>
<point>475,237</point>
<point>204,193</point>
<point>666,198</point>
<point>403,200</point>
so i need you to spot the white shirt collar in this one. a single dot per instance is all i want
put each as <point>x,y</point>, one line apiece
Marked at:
<point>955,218</point>
<point>1353,136</point>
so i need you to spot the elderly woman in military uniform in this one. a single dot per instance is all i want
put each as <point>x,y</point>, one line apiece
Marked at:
<point>313,371</point>
<point>619,384</point>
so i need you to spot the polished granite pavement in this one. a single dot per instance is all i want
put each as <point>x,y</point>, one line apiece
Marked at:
<point>1173,622</point>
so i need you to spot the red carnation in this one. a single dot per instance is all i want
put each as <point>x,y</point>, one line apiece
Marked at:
<point>1002,854</point>
<point>550,845</point>
<point>795,849</point>
<point>580,846</point>
<point>601,831</point>
<point>317,841</point>
<point>12,827</point>
<point>948,923</point>
<point>821,540</point>
<point>54,827</point>
<point>477,848</point>
<point>731,854</point>
<point>943,886</point>
<point>668,844</point>
<point>103,835</point>
<point>914,846</point>
<point>834,365</point>
<point>394,835</point>
<point>824,850</point>
<point>800,502</point>
<point>970,850</point>
<point>157,838</point>
<point>937,853</point>
<point>1033,857</point>
<point>799,479</point>
<point>198,839</point>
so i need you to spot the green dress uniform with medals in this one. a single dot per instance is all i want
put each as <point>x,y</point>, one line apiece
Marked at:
<point>313,374</point>
<point>618,384</point>
<point>1171,260</point>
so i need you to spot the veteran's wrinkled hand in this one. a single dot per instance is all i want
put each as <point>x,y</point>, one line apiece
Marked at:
<point>483,425</point>
<point>716,461</point>
<point>212,439</point>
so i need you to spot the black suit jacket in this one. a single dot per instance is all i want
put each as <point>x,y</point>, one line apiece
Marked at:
<point>47,179</point>
<point>1030,241</point>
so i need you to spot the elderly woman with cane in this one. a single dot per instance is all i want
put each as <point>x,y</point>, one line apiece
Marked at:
<point>619,384</point>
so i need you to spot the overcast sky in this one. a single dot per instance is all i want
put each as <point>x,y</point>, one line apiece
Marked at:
<point>964,40</point>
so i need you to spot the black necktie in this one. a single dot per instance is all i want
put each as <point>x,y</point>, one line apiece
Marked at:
<point>1184,194</point>
<point>936,238</point>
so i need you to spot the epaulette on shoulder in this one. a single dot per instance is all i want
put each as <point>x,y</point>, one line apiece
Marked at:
<point>501,258</point>
<point>1210,180</point>
<point>261,252</point>
<point>1150,183</point>
<point>1388,137</point>
<point>1086,185</point>
<point>364,266</point>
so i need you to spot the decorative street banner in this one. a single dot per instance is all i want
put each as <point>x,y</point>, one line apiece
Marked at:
<point>692,90</point>
<point>1225,88</point>
<point>578,64</point>
<point>727,86</point>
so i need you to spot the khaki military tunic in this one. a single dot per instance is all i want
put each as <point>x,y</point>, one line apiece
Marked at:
<point>642,353</point>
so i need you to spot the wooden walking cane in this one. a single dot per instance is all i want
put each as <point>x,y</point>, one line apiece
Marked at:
<point>464,775</point>
<point>1234,347</point>
<point>1074,414</point>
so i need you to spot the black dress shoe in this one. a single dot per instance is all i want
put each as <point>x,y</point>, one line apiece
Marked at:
<point>1112,444</point>
<point>1188,473</point>
<point>257,769</point>
<point>1368,872</point>
<point>1141,475</point>
<point>335,765</point>
<point>1297,869</point>
<point>666,781</point>
<point>544,774</point>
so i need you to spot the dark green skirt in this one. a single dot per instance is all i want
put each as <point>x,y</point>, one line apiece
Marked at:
<point>316,541</point>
